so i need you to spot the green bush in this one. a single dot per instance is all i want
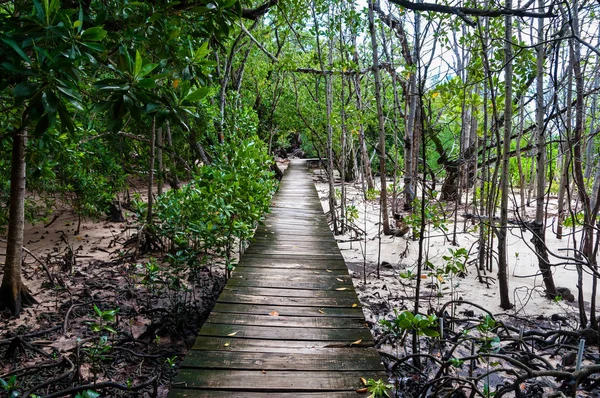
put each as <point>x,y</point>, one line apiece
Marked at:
<point>222,203</point>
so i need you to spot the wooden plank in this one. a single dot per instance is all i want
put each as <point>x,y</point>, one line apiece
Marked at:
<point>231,297</point>
<point>285,321</point>
<point>275,380</point>
<point>284,333</point>
<point>292,293</point>
<point>342,273</point>
<point>292,284</point>
<point>280,346</point>
<point>187,393</point>
<point>330,360</point>
<point>288,310</point>
<point>322,277</point>
<point>261,261</point>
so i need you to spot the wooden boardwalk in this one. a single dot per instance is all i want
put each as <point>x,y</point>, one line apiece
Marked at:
<point>288,323</point>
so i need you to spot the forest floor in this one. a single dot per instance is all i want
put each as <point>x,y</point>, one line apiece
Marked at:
<point>462,299</point>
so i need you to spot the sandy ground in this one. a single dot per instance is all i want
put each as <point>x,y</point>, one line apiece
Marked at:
<point>399,255</point>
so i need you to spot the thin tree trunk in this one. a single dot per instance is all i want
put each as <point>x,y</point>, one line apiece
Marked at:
<point>587,239</point>
<point>174,180</point>
<point>539,225</point>
<point>14,295</point>
<point>159,158</point>
<point>502,228</point>
<point>566,153</point>
<point>149,215</point>
<point>382,156</point>
<point>328,106</point>
<point>364,155</point>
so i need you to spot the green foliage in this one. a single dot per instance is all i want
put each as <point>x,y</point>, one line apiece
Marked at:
<point>406,321</point>
<point>88,394</point>
<point>434,215</point>
<point>372,194</point>
<point>10,387</point>
<point>378,388</point>
<point>224,201</point>
<point>351,213</point>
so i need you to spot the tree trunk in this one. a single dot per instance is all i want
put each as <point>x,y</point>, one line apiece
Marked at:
<point>539,225</point>
<point>159,158</point>
<point>587,238</point>
<point>364,155</point>
<point>501,230</point>
<point>14,295</point>
<point>380,117</point>
<point>149,214</point>
<point>328,107</point>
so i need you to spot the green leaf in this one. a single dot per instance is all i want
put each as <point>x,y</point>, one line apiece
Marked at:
<point>146,69</point>
<point>147,83</point>
<point>42,126</point>
<point>18,49</point>
<point>49,101</point>
<point>65,119</point>
<point>197,95</point>
<point>24,91</point>
<point>95,46</point>
<point>94,34</point>
<point>138,63</point>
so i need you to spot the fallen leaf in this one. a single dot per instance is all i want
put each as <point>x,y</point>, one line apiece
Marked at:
<point>328,270</point>
<point>232,334</point>
<point>364,381</point>
<point>341,288</point>
<point>362,390</point>
<point>264,372</point>
<point>341,280</point>
<point>356,342</point>
<point>226,345</point>
<point>274,313</point>
<point>321,311</point>
<point>354,305</point>
<point>423,276</point>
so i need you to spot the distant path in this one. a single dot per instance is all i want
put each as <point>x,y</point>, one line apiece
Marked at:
<point>288,323</point>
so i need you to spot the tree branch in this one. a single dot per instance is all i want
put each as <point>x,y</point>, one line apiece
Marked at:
<point>463,12</point>
<point>259,11</point>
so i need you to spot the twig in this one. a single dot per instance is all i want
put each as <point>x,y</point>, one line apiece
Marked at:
<point>36,259</point>
<point>100,386</point>
<point>51,381</point>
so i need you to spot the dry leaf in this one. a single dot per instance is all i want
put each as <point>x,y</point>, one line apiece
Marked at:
<point>356,342</point>
<point>364,381</point>
<point>362,390</point>
<point>274,313</point>
<point>232,334</point>
<point>423,276</point>
<point>264,372</point>
<point>328,270</point>
<point>321,311</point>
<point>354,305</point>
<point>341,280</point>
<point>341,288</point>
<point>226,345</point>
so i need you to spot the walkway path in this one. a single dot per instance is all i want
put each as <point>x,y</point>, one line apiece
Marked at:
<point>288,323</point>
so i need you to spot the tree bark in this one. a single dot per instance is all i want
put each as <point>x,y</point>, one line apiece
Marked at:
<point>380,117</point>
<point>14,295</point>
<point>149,214</point>
<point>539,224</point>
<point>501,230</point>
<point>159,159</point>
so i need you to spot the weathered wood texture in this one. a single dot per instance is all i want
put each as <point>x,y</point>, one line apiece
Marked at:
<point>288,323</point>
